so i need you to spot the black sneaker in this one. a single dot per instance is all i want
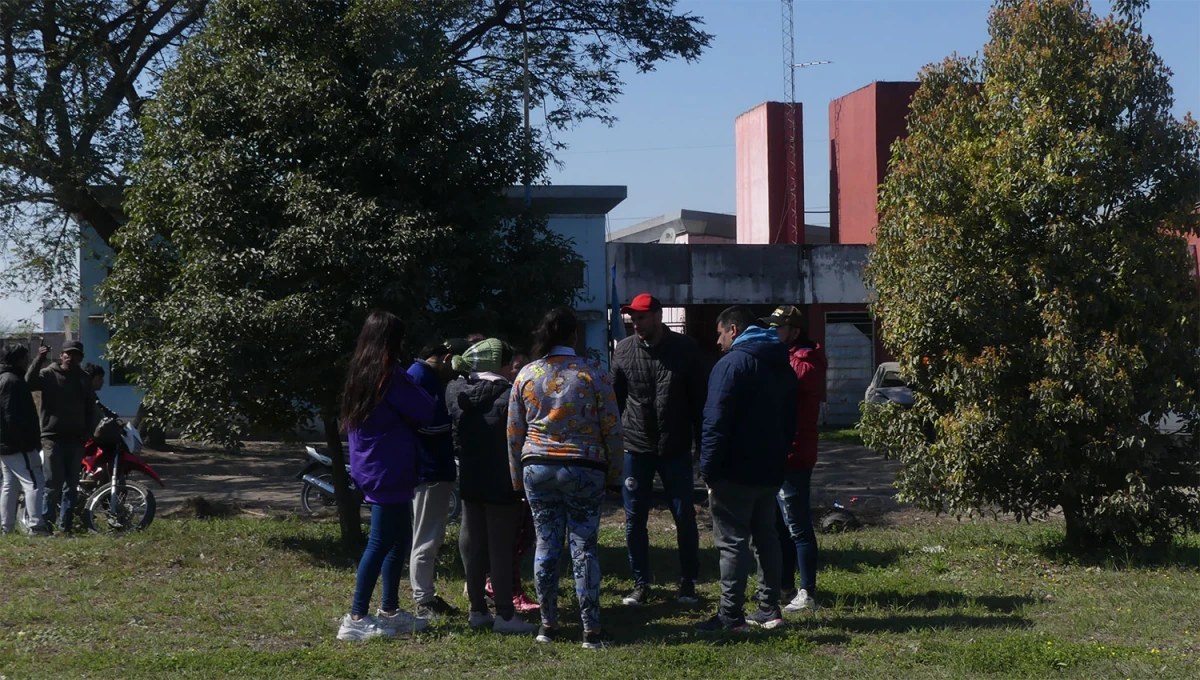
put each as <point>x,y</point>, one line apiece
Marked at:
<point>435,609</point>
<point>638,597</point>
<point>717,624</point>
<point>546,635</point>
<point>768,618</point>
<point>687,592</point>
<point>595,639</point>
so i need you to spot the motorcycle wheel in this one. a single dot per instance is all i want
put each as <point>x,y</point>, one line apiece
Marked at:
<point>135,509</point>
<point>455,505</point>
<point>315,502</point>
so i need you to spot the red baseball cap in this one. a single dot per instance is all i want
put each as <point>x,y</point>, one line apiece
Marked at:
<point>642,303</point>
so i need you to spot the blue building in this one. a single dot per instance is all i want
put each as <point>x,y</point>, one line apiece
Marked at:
<point>578,213</point>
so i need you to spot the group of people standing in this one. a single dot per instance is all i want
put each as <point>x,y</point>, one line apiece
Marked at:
<point>537,443</point>
<point>41,450</point>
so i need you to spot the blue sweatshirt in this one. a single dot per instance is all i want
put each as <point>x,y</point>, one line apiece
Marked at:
<point>436,460</point>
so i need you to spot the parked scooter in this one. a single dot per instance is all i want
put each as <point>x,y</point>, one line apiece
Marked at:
<point>316,493</point>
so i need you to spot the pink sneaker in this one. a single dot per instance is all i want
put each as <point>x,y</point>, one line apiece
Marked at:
<point>522,603</point>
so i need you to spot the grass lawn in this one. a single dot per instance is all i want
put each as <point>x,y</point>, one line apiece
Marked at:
<point>929,599</point>
<point>849,435</point>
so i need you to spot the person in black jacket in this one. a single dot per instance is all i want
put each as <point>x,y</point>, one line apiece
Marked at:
<point>749,421</point>
<point>69,416</point>
<point>659,379</point>
<point>20,443</point>
<point>492,511</point>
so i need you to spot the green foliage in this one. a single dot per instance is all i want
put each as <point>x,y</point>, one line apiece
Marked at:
<point>1032,283</point>
<point>304,163</point>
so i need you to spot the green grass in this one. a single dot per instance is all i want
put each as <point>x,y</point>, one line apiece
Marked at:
<point>260,599</point>
<point>846,436</point>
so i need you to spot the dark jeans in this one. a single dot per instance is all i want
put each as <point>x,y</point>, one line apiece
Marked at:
<point>387,548</point>
<point>742,514</point>
<point>796,508</point>
<point>64,461</point>
<point>486,543</point>
<point>638,492</point>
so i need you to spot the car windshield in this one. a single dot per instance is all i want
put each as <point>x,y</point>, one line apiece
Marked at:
<point>892,379</point>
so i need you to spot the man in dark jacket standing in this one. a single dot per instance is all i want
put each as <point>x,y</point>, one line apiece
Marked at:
<point>808,363</point>
<point>20,443</point>
<point>68,418</point>
<point>435,469</point>
<point>659,379</point>
<point>749,421</point>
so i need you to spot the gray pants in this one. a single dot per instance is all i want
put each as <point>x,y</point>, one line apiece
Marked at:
<point>22,473</point>
<point>62,462</point>
<point>431,513</point>
<point>486,543</point>
<point>742,514</point>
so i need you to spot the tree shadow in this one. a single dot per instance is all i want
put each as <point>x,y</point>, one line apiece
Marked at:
<point>904,624</point>
<point>324,551</point>
<point>1172,554</point>
<point>933,600</point>
<point>858,559</point>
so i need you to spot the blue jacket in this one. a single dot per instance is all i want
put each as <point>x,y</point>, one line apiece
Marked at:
<point>750,415</point>
<point>384,448</point>
<point>436,460</point>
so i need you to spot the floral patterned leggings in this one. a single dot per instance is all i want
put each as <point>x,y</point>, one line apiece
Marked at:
<point>566,500</point>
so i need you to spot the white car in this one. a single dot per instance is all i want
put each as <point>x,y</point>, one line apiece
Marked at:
<point>887,386</point>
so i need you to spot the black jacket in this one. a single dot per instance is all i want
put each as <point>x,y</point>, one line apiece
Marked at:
<point>750,416</point>
<point>19,428</point>
<point>68,402</point>
<point>660,391</point>
<point>479,422</point>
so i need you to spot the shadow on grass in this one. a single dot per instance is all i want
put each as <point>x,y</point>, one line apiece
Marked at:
<point>902,624</point>
<point>324,551</point>
<point>1173,554</point>
<point>933,601</point>
<point>858,558</point>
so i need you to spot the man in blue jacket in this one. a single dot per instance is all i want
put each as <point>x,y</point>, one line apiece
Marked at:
<point>435,472</point>
<point>749,420</point>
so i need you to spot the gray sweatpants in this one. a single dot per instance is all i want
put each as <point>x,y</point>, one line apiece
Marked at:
<point>22,473</point>
<point>431,513</point>
<point>742,514</point>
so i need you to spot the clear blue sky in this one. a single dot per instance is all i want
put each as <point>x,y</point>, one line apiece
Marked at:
<point>673,144</point>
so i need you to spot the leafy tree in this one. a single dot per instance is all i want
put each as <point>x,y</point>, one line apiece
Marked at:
<point>303,163</point>
<point>75,76</point>
<point>1032,283</point>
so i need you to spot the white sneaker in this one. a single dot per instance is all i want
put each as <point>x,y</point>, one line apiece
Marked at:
<point>513,626</point>
<point>363,629</point>
<point>401,623</point>
<point>480,620</point>
<point>802,602</point>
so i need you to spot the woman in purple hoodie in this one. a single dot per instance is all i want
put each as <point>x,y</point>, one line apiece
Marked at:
<point>381,410</point>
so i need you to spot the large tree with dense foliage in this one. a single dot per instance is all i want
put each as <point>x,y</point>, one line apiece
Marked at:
<point>304,162</point>
<point>1032,282</point>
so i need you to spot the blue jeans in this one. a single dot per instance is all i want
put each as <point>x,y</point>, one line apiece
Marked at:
<point>797,514</point>
<point>638,493</point>
<point>63,463</point>
<point>391,534</point>
<point>565,499</point>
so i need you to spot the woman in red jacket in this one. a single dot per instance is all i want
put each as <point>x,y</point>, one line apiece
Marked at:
<point>808,361</point>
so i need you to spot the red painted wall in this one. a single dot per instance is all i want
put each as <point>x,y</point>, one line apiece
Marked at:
<point>762,175</point>
<point>862,127</point>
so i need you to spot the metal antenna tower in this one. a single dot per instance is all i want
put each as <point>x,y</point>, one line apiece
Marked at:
<point>791,214</point>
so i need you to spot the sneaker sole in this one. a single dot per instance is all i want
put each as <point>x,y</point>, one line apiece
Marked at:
<point>545,640</point>
<point>768,625</point>
<point>628,601</point>
<point>593,645</point>
<point>796,610</point>
<point>355,636</point>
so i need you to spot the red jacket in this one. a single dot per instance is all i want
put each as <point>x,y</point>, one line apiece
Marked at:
<point>809,364</point>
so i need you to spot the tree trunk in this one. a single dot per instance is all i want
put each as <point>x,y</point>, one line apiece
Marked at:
<point>1079,536</point>
<point>347,502</point>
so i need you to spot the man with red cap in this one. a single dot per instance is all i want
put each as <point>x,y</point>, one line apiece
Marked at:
<point>661,384</point>
<point>808,361</point>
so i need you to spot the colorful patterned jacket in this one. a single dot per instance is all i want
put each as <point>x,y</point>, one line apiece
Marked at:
<point>563,411</point>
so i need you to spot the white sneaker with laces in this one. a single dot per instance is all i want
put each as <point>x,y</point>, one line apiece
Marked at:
<point>802,602</point>
<point>480,620</point>
<point>362,629</point>
<point>401,623</point>
<point>513,626</point>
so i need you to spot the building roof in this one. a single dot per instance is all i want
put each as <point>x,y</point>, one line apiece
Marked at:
<point>570,199</point>
<point>722,225</point>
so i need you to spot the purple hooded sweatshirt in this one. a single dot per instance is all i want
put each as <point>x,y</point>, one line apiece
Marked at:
<point>384,449</point>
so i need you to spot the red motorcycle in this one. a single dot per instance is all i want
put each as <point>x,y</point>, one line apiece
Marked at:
<point>114,503</point>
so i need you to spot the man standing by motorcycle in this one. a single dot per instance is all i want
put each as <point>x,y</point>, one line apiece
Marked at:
<point>20,433</point>
<point>68,416</point>
<point>435,468</point>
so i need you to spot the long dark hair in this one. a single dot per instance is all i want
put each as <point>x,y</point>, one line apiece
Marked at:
<point>556,328</point>
<point>380,346</point>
